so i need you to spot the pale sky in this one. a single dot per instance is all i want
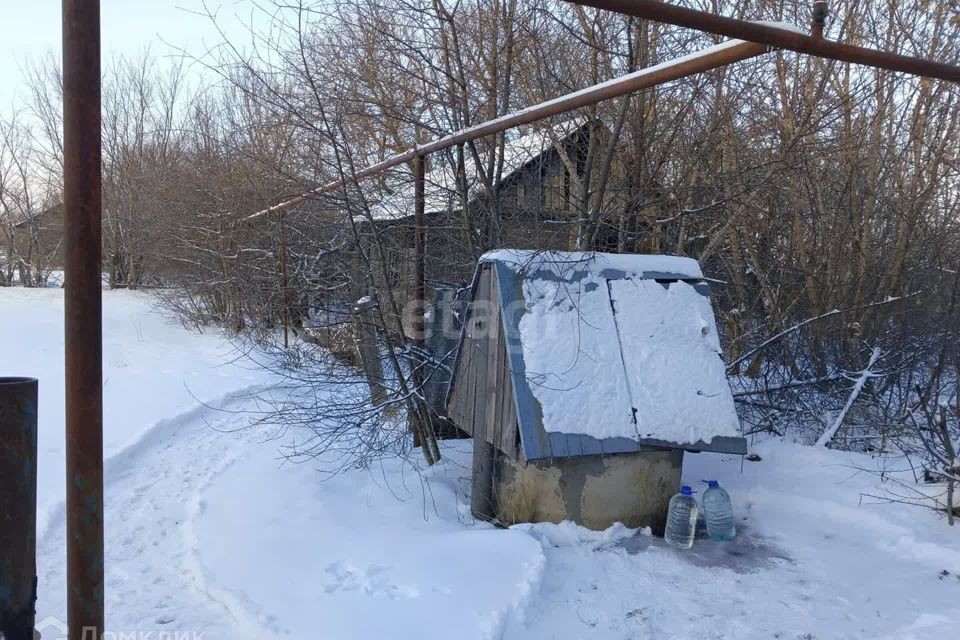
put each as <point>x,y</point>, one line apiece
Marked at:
<point>31,28</point>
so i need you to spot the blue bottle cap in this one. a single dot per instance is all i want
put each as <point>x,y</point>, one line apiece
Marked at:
<point>685,490</point>
<point>713,484</point>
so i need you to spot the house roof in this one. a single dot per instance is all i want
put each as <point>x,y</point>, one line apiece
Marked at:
<point>20,220</point>
<point>440,184</point>
<point>610,353</point>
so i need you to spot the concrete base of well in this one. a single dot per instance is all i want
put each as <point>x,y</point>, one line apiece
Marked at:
<point>594,491</point>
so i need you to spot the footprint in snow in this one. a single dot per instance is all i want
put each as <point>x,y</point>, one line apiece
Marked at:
<point>372,581</point>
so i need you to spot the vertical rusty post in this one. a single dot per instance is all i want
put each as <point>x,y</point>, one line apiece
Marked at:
<point>425,436</point>
<point>420,286</point>
<point>283,279</point>
<point>82,304</point>
<point>419,293</point>
<point>820,11</point>
<point>18,507</point>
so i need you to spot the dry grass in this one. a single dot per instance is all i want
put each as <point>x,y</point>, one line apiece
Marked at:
<point>338,340</point>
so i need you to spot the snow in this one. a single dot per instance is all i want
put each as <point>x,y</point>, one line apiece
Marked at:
<point>210,533</point>
<point>862,379</point>
<point>784,26</point>
<point>568,534</point>
<point>368,542</point>
<point>572,358</point>
<point>565,263</point>
<point>621,357</point>
<point>142,383</point>
<point>671,353</point>
<point>813,559</point>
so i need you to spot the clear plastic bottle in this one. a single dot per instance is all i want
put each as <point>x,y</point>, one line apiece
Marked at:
<point>682,519</point>
<point>717,512</point>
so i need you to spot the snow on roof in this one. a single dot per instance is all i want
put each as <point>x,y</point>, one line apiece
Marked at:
<point>612,350</point>
<point>440,185</point>
<point>563,264</point>
<point>785,26</point>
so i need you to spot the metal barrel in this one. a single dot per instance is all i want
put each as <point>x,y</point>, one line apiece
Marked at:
<point>18,507</point>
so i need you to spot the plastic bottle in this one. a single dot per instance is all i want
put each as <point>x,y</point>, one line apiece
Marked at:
<point>682,519</point>
<point>718,513</point>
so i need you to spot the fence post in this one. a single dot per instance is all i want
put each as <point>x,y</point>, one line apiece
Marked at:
<point>18,507</point>
<point>366,337</point>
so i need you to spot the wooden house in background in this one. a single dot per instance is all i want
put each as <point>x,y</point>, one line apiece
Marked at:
<point>41,233</point>
<point>36,244</point>
<point>536,205</point>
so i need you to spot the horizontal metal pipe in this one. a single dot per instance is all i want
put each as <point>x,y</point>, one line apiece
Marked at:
<point>717,56</point>
<point>775,36</point>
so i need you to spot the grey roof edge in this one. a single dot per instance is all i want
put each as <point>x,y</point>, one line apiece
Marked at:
<point>533,445</point>
<point>719,444</point>
<point>733,445</point>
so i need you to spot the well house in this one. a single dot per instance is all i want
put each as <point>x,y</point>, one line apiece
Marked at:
<point>583,378</point>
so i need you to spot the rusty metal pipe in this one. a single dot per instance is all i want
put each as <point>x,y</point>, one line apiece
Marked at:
<point>419,243</point>
<point>18,507</point>
<point>710,58</point>
<point>820,12</point>
<point>284,281</point>
<point>420,436</point>
<point>774,36</point>
<point>82,311</point>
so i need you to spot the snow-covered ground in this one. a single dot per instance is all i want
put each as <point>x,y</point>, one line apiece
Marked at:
<point>208,531</point>
<point>811,560</point>
<point>154,370</point>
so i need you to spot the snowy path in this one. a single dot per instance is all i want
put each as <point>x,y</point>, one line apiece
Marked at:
<point>385,552</point>
<point>159,447</point>
<point>153,495</point>
<point>207,533</point>
<point>152,369</point>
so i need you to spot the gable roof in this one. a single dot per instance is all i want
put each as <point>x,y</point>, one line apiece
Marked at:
<point>610,353</point>
<point>20,220</point>
<point>440,184</point>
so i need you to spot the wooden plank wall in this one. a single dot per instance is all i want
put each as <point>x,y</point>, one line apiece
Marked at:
<point>479,331</point>
<point>463,398</point>
<point>482,397</point>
